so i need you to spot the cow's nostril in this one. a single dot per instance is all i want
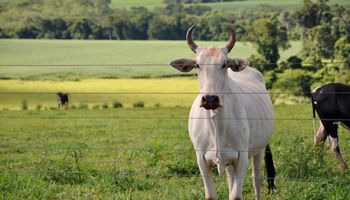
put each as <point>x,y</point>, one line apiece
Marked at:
<point>211,98</point>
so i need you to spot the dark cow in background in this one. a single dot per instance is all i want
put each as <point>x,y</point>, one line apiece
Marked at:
<point>332,104</point>
<point>62,100</point>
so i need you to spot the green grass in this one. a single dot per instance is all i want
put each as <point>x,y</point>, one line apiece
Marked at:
<point>126,153</point>
<point>130,58</point>
<point>150,4</point>
<point>237,5</point>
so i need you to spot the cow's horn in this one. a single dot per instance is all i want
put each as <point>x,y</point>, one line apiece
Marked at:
<point>232,40</point>
<point>190,42</point>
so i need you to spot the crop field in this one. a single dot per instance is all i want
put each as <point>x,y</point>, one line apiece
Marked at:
<point>236,5</point>
<point>145,153</point>
<point>75,60</point>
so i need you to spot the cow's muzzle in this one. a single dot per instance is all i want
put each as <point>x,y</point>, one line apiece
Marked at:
<point>210,102</point>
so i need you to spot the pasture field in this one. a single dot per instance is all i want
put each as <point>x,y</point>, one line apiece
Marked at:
<point>165,92</point>
<point>75,60</point>
<point>145,153</point>
<point>236,5</point>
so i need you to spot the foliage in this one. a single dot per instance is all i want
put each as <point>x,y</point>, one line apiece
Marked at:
<point>117,104</point>
<point>296,81</point>
<point>293,62</point>
<point>342,50</point>
<point>321,27</point>
<point>269,38</point>
<point>139,104</point>
<point>24,105</point>
<point>97,20</point>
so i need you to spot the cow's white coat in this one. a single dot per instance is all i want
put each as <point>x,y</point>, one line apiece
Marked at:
<point>227,137</point>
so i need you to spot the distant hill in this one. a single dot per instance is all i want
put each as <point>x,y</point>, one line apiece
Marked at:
<point>235,5</point>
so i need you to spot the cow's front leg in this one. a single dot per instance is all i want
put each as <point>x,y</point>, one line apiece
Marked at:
<point>240,171</point>
<point>336,151</point>
<point>204,168</point>
<point>256,174</point>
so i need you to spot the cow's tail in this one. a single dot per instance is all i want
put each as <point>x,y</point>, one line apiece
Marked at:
<point>270,169</point>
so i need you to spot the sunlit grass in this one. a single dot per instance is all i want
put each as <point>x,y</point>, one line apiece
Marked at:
<point>163,92</point>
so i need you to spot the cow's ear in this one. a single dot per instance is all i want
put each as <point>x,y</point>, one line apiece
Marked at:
<point>236,64</point>
<point>183,64</point>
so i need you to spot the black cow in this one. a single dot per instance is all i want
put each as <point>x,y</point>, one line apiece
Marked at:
<point>62,100</point>
<point>332,104</point>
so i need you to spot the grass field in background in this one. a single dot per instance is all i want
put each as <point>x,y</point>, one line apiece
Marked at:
<point>133,58</point>
<point>237,5</point>
<point>146,153</point>
<point>156,92</point>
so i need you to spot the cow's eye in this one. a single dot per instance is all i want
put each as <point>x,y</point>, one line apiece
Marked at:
<point>224,66</point>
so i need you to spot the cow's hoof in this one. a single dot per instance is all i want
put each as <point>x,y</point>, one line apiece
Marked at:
<point>343,166</point>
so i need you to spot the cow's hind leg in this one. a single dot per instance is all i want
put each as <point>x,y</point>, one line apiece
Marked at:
<point>336,151</point>
<point>230,176</point>
<point>320,136</point>
<point>256,174</point>
<point>204,168</point>
<point>332,129</point>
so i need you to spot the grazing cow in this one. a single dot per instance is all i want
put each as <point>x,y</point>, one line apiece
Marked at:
<point>62,100</point>
<point>332,104</point>
<point>231,120</point>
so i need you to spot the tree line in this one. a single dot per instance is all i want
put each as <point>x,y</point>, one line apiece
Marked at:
<point>95,19</point>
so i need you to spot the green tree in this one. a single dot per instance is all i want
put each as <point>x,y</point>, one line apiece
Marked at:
<point>268,37</point>
<point>312,13</point>
<point>318,37</point>
<point>342,50</point>
<point>81,29</point>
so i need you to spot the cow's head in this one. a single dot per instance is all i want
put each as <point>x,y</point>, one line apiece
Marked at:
<point>212,64</point>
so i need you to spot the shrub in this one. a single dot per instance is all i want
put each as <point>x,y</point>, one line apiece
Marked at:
<point>295,81</point>
<point>83,105</point>
<point>117,104</point>
<point>96,107</point>
<point>105,105</point>
<point>53,108</point>
<point>73,107</point>
<point>38,107</point>
<point>24,105</point>
<point>139,104</point>
<point>157,105</point>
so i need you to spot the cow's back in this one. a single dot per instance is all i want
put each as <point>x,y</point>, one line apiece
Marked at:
<point>258,106</point>
<point>332,100</point>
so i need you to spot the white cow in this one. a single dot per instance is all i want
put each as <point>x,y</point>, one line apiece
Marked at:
<point>231,119</point>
